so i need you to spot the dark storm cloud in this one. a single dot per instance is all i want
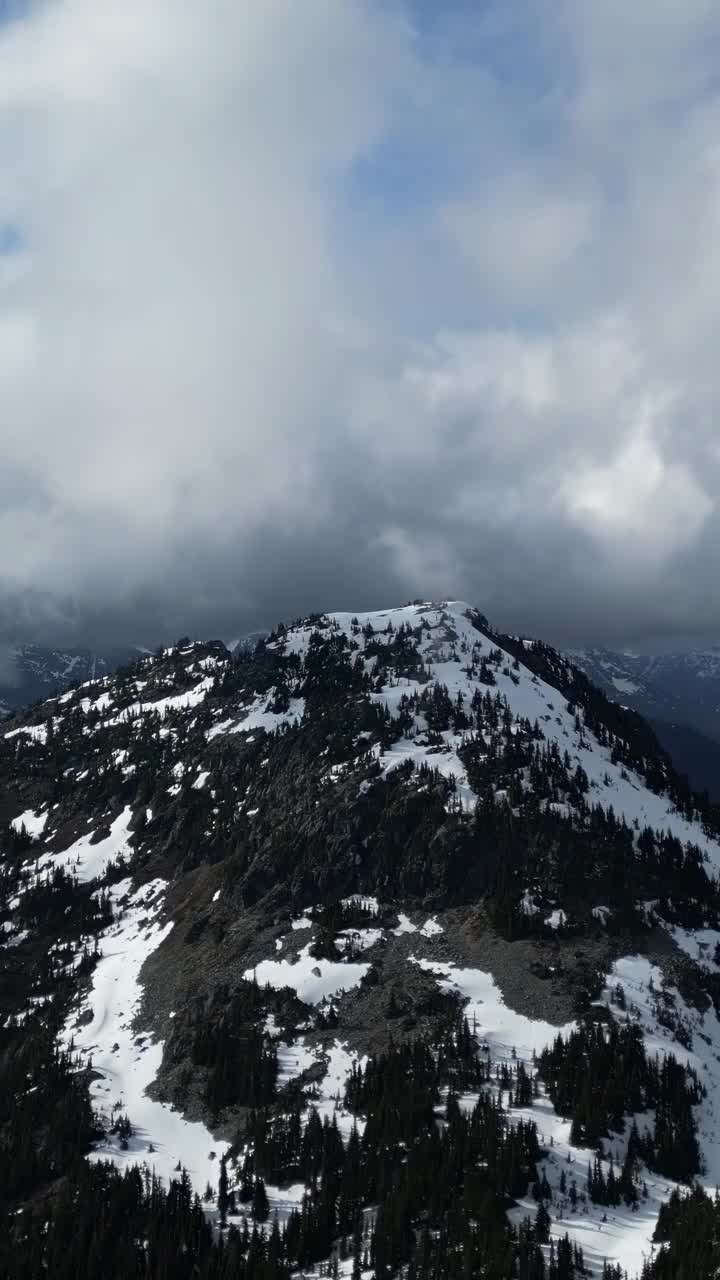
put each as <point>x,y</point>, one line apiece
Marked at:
<point>308,307</point>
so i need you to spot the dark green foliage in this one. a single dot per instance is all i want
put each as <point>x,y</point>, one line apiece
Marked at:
<point>45,1115</point>
<point>227,1039</point>
<point>417,1175</point>
<point>688,1229</point>
<point>58,901</point>
<point>600,1074</point>
<point>110,1226</point>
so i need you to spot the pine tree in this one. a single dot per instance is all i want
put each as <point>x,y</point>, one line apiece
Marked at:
<point>260,1202</point>
<point>222,1199</point>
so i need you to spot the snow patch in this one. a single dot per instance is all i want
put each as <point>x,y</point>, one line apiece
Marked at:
<point>528,906</point>
<point>256,717</point>
<point>405,925</point>
<point>556,919</point>
<point>128,1062</point>
<point>302,922</point>
<point>504,1031</point>
<point>431,928</point>
<point>312,980</point>
<point>36,732</point>
<point>358,939</point>
<point>34,823</point>
<point>89,861</point>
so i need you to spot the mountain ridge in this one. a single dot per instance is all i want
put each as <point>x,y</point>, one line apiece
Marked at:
<point>328,846</point>
<point>681,687</point>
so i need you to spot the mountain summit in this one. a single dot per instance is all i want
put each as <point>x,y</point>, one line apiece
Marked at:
<point>393,938</point>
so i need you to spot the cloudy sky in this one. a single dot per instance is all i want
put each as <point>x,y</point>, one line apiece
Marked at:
<point>330,303</point>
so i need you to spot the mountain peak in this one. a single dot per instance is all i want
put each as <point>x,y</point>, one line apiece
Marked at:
<point>377,855</point>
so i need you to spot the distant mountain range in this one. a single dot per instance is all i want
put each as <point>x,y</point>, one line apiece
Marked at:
<point>35,671</point>
<point>678,692</point>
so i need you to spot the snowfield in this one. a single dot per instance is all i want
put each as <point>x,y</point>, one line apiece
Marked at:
<point>331,1089</point>
<point>257,717</point>
<point>626,1235</point>
<point>312,980</point>
<point>90,861</point>
<point>175,702</point>
<point>506,1034</point>
<point>34,823</point>
<point>617,1234</point>
<point>35,732</point>
<point>128,1062</point>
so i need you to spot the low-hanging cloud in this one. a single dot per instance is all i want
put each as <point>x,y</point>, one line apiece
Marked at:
<point>315,305</point>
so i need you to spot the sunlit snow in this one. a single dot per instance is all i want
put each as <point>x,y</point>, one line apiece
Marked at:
<point>87,860</point>
<point>34,823</point>
<point>128,1062</point>
<point>313,980</point>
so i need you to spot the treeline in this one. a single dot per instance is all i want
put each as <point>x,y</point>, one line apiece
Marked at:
<point>627,732</point>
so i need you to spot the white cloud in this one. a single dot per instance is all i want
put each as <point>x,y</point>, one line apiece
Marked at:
<point>523,239</point>
<point>169,167</point>
<point>644,507</point>
<point>312,305</point>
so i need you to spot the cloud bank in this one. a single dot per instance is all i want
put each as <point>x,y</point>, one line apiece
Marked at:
<point>332,304</point>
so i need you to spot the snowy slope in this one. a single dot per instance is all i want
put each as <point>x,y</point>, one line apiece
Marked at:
<point>187,699</point>
<point>102,1030</point>
<point>449,643</point>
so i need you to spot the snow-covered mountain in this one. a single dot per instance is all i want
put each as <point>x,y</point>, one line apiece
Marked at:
<point>678,692</point>
<point>32,671</point>
<point>676,687</point>
<point>247,642</point>
<point>393,931</point>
